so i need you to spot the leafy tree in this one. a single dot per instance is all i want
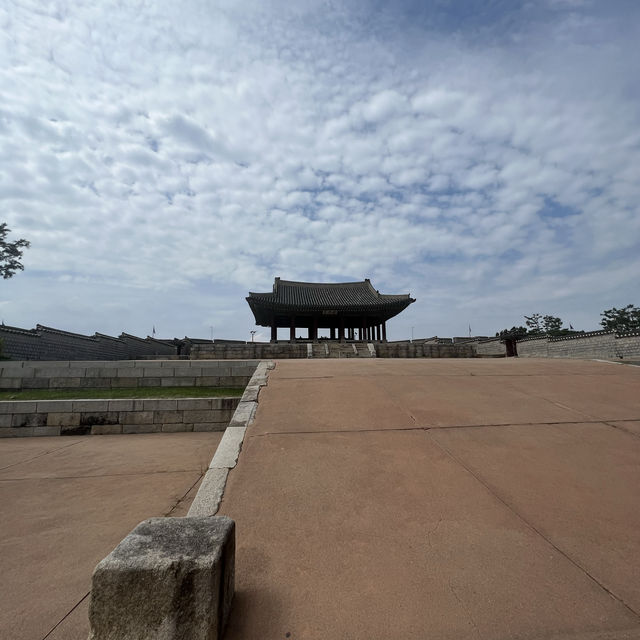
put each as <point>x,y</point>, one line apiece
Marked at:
<point>625,319</point>
<point>534,324</point>
<point>552,324</point>
<point>10,253</point>
<point>514,332</point>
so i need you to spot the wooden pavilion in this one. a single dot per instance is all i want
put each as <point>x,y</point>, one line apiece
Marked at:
<point>350,310</point>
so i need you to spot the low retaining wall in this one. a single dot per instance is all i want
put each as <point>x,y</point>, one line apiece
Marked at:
<point>103,417</point>
<point>124,373</point>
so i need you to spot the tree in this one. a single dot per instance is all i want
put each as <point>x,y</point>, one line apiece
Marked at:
<point>10,253</point>
<point>515,333</point>
<point>552,325</point>
<point>625,319</point>
<point>534,324</point>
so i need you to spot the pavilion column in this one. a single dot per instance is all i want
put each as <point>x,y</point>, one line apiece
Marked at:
<point>384,331</point>
<point>376,332</point>
<point>274,330</point>
<point>315,328</point>
<point>292,329</point>
<point>332,333</point>
<point>341,330</point>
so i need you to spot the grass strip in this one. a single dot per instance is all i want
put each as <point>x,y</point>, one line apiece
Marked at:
<point>114,394</point>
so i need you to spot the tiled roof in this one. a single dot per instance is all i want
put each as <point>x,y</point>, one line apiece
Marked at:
<point>322,295</point>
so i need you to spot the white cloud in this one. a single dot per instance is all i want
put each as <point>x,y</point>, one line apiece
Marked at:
<point>193,152</point>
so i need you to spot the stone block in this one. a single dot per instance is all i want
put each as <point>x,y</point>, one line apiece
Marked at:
<point>136,417</point>
<point>226,455</point>
<point>65,383</point>
<point>99,372</point>
<point>178,382</point>
<point>228,403</point>
<point>54,406</point>
<point>90,405</point>
<point>197,416</point>
<point>181,372</point>
<point>99,417</point>
<point>159,405</point>
<point>176,427</point>
<point>209,426</point>
<point>71,430</point>
<point>10,383</point>
<point>106,429</point>
<point>95,383</point>
<point>66,419</point>
<point>251,394</point>
<point>141,428</point>
<point>208,381</point>
<point>155,371</point>
<point>46,431</point>
<point>243,414</point>
<point>123,383</point>
<point>149,382</point>
<point>207,500</point>
<point>35,383</point>
<point>5,419</point>
<point>167,417</point>
<point>124,405</point>
<point>29,420</point>
<point>17,432</point>
<point>130,372</point>
<point>195,403</point>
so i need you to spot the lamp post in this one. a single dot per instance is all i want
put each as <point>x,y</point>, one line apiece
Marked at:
<point>253,333</point>
<point>412,334</point>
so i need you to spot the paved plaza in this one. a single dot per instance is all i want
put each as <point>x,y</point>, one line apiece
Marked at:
<point>66,502</point>
<point>443,499</point>
<point>382,498</point>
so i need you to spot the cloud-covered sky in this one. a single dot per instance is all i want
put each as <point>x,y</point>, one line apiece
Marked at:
<point>165,158</point>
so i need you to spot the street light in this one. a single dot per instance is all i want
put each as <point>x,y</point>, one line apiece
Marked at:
<point>253,333</point>
<point>412,334</point>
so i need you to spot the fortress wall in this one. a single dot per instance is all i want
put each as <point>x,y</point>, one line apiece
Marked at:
<point>606,345</point>
<point>45,344</point>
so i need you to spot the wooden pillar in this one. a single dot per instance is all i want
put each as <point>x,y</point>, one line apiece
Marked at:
<point>332,333</point>
<point>274,330</point>
<point>292,329</point>
<point>341,330</point>
<point>384,331</point>
<point>315,328</point>
<point>376,333</point>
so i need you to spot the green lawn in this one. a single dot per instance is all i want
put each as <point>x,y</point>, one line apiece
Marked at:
<point>114,394</point>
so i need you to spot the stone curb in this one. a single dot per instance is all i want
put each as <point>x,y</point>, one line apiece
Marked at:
<point>209,496</point>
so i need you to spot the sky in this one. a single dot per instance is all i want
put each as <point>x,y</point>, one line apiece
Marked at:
<point>166,158</point>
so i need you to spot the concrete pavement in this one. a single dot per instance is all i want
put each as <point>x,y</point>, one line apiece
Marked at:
<point>66,502</point>
<point>440,499</point>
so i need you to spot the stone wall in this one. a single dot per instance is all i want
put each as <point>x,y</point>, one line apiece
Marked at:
<point>249,350</point>
<point>46,343</point>
<point>423,350</point>
<point>126,373</point>
<point>490,347</point>
<point>104,417</point>
<point>284,350</point>
<point>607,345</point>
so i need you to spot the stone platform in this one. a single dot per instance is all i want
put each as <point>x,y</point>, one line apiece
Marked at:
<point>447,499</point>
